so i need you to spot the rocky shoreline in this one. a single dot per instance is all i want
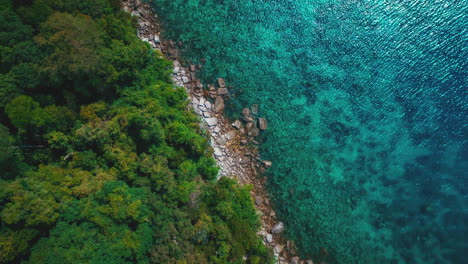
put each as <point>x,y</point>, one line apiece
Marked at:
<point>234,143</point>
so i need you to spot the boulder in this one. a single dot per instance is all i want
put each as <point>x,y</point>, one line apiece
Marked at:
<point>217,152</point>
<point>249,126</point>
<point>278,228</point>
<point>253,132</point>
<point>197,111</point>
<point>269,238</point>
<point>142,11</point>
<point>221,140</point>
<point>221,82</point>
<point>266,163</point>
<point>212,121</point>
<point>291,247</point>
<point>157,40</point>
<point>222,91</point>
<point>202,101</point>
<point>185,79</point>
<point>295,260</point>
<point>278,249</point>
<point>258,200</point>
<point>246,112</point>
<point>219,104</point>
<point>237,124</point>
<point>206,114</point>
<point>231,134</point>
<point>262,123</point>
<point>208,104</point>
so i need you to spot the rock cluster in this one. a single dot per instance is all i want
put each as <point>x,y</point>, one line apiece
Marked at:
<point>234,142</point>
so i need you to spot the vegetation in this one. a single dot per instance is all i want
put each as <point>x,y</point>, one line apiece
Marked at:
<point>100,160</point>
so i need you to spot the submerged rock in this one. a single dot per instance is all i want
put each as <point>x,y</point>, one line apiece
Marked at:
<point>262,124</point>
<point>237,124</point>
<point>221,82</point>
<point>254,108</point>
<point>222,91</point>
<point>246,112</point>
<point>266,163</point>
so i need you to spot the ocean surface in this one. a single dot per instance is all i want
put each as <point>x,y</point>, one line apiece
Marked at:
<point>367,103</point>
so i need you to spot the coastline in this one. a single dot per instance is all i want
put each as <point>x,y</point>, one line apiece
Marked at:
<point>235,148</point>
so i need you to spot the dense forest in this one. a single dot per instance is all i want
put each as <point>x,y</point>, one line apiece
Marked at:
<point>101,160</point>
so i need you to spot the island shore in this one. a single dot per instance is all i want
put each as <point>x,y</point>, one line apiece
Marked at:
<point>234,142</point>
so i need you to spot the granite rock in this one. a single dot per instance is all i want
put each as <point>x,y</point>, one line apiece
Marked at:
<point>278,228</point>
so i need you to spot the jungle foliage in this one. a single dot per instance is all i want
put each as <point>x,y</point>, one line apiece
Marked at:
<point>101,160</point>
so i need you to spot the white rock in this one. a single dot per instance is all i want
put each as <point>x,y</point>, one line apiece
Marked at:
<point>217,129</point>
<point>197,111</point>
<point>278,228</point>
<point>212,121</point>
<point>176,69</point>
<point>269,238</point>
<point>202,101</point>
<point>195,100</point>
<point>231,134</point>
<point>278,249</point>
<point>185,79</point>
<point>202,108</point>
<point>217,152</point>
<point>156,39</point>
<point>208,104</point>
<point>221,140</point>
<point>206,114</point>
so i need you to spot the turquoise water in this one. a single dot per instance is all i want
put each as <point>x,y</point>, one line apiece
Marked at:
<point>367,108</point>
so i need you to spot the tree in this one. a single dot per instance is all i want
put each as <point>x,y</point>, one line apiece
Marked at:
<point>21,111</point>
<point>74,43</point>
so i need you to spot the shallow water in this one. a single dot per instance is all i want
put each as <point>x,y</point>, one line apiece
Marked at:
<point>367,108</point>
